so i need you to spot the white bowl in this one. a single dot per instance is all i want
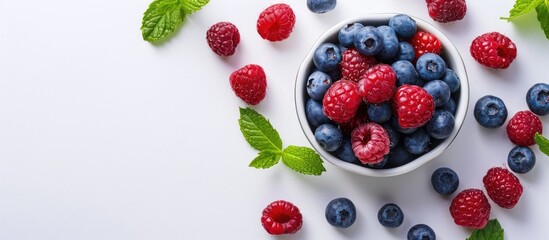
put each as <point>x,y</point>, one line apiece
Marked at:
<point>453,61</point>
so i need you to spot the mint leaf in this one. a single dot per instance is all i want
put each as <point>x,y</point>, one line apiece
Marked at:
<point>543,143</point>
<point>492,231</point>
<point>543,17</point>
<point>265,159</point>
<point>303,160</point>
<point>522,7</point>
<point>191,6</point>
<point>258,131</point>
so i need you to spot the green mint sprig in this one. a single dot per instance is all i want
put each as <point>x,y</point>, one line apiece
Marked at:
<point>163,17</point>
<point>523,7</point>
<point>543,143</point>
<point>261,135</point>
<point>492,231</point>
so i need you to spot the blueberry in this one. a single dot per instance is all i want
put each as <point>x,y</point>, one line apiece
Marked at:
<point>327,57</point>
<point>390,43</point>
<point>379,165</point>
<point>321,6</point>
<point>317,85</point>
<point>441,124</point>
<point>521,159</point>
<point>345,152</point>
<point>417,142</point>
<point>445,181</point>
<point>490,111</point>
<point>450,106</point>
<point>379,113</point>
<point>341,213</point>
<point>404,25</point>
<point>346,35</point>
<point>390,215</point>
<point>399,156</point>
<point>315,114</point>
<point>396,125</point>
<point>405,52</point>
<point>329,137</point>
<point>421,232</point>
<point>394,135</point>
<point>368,41</point>
<point>430,66</point>
<point>439,90</point>
<point>405,72</point>
<point>452,79</point>
<point>335,75</point>
<point>537,99</point>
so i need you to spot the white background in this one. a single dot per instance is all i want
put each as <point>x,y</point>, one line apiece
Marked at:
<point>105,136</point>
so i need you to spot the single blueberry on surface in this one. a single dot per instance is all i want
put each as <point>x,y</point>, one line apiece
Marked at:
<point>390,215</point>
<point>341,213</point>
<point>405,72</point>
<point>451,78</point>
<point>368,41</point>
<point>317,85</point>
<point>327,57</point>
<point>439,90</point>
<point>403,25</point>
<point>421,232</point>
<point>441,124</point>
<point>390,43</point>
<point>329,137</point>
<point>417,142</point>
<point>346,35</point>
<point>445,181</point>
<point>314,113</point>
<point>490,111</point>
<point>321,6</point>
<point>345,151</point>
<point>521,159</point>
<point>405,52</point>
<point>430,66</point>
<point>379,113</point>
<point>537,99</point>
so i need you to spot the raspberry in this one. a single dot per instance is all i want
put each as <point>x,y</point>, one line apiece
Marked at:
<point>249,83</point>
<point>522,128</point>
<point>361,116</point>
<point>502,187</point>
<point>377,84</point>
<point>341,101</point>
<point>276,22</point>
<point>446,10</point>
<point>493,50</point>
<point>223,37</point>
<point>281,217</point>
<point>353,64</point>
<point>413,106</point>
<point>370,143</point>
<point>424,42</point>
<point>470,208</point>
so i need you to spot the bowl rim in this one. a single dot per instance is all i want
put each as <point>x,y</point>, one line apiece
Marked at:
<point>452,57</point>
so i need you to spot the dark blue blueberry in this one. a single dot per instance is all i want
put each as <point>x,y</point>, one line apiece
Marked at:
<point>445,181</point>
<point>329,137</point>
<point>452,79</point>
<point>379,113</point>
<point>346,35</point>
<point>450,106</point>
<point>417,142</point>
<point>345,152</point>
<point>441,124</point>
<point>315,114</point>
<point>394,123</point>
<point>421,232</point>
<point>490,111</point>
<point>430,66</point>
<point>405,52</point>
<point>403,25</point>
<point>420,82</point>
<point>390,43</point>
<point>390,215</point>
<point>399,156</point>
<point>368,41</point>
<point>327,57</point>
<point>321,6</point>
<point>405,72</point>
<point>394,135</point>
<point>335,75</point>
<point>341,213</point>
<point>317,84</point>
<point>521,159</point>
<point>379,165</point>
<point>439,90</point>
<point>537,99</point>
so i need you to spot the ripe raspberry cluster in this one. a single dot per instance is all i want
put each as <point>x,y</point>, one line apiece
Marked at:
<point>381,96</point>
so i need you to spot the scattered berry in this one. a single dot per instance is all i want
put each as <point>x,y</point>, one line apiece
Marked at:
<point>368,41</point>
<point>327,57</point>
<point>249,83</point>
<point>441,124</point>
<point>537,99</point>
<point>390,43</point>
<point>317,84</point>
<point>353,64</point>
<point>370,143</point>
<point>493,50</point>
<point>281,217</point>
<point>421,232</point>
<point>502,187</point>
<point>321,6</point>
<point>470,208</point>
<point>346,35</point>
<point>439,90</point>
<point>377,84</point>
<point>522,127</point>
<point>413,106</point>
<point>430,66</point>
<point>405,72</point>
<point>223,37</point>
<point>424,42</point>
<point>447,10</point>
<point>276,22</point>
<point>521,159</point>
<point>340,213</point>
<point>329,137</point>
<point>341,101</point>
<point>490,111</point>
<point>417,142</point>
<point>445,181</point>
<point>404,25</point>
<point>390,215</point>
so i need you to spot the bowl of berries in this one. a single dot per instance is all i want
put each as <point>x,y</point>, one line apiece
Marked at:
<point>381,94</point>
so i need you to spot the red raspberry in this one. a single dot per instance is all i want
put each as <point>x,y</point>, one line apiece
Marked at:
<point>502,187</point>
<point>377,84</point>
<point>360,117</point>
<point>223,37</point>
<point>341,101</point>
<point>413,106</point>
<point>470,208</point>
<point>353,64</point>
<point>522,128</point>
<point>493,50</point>
<point>370,143</point>
<point>276,22</point>
<point>446,10</point>
<point>424,42</point>
<point>249,83</point>
<point>281,217</point>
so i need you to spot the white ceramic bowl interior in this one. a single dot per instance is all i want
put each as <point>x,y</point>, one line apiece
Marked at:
<point>453,61</point>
